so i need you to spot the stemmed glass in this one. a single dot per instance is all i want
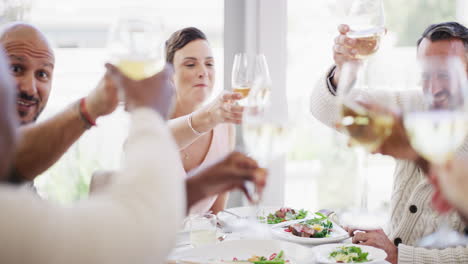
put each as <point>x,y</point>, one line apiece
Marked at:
<point>260,128</point>
<point>135,46</point>
<point>265,135</point>
<point>360,90</point>
<point>366,19</point>
<point>442,121</point>
<point>243,75</point>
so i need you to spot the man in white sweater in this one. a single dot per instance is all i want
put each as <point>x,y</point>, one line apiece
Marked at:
<point>135,218</point>
<point>411,215</point>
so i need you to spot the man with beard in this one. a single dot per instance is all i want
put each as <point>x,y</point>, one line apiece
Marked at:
<point>411,215</point>
<point>32,65</point>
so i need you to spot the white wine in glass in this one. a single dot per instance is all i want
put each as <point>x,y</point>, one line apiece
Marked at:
<point>367,41</point>
<point>367,26</point>
<point>261,132</point>
<point>242,77</point>
<point>366,128</point>
<point>138,69</point>
<point>443,120</point>
<point>445,130</point>
<point>244,91</point>
<point>365,117</point>
<point>135,47</point>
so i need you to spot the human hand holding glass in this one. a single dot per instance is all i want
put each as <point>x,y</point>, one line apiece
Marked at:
<point>366,20</point>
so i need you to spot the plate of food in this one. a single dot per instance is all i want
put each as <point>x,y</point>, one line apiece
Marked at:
<point>247,251</point>
<point>317,230</point>
<point>349,253</point>
<point>270,215</point>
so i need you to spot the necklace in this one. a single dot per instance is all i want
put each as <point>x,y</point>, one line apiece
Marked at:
<point>185,153</point>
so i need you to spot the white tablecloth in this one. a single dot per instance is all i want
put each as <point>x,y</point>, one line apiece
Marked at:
<point>183,242</point>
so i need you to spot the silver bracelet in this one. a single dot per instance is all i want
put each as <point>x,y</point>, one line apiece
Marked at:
<point>191,127</point>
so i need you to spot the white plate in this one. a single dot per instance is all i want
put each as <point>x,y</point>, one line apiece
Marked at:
<point>244,249</point>
<point>338,234</point>
<point>246,211</point>
<point>322,252</point>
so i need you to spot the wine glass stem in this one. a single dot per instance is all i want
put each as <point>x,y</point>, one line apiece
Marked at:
<point>362,171</point>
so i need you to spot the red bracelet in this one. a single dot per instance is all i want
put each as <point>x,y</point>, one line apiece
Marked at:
<point>85,115</point>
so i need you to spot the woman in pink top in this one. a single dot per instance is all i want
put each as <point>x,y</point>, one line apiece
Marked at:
<point>204,132</point>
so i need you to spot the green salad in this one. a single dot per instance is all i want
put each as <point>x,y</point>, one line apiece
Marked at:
<point>349,254</point>
<point>283,215</point>
<point>275,258</point>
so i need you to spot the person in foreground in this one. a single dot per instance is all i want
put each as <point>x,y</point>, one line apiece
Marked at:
<point>411,216</point>
<point>116,225</point>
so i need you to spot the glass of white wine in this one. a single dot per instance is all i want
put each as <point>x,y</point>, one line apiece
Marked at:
<point>365,100</point>
<point>443,120</point>
<point>243,74</point>
<point>359,93</point>
<point>265,137</point>
<point>260,128</point>
<point>366,19</point>
<point>135,46</point>
<point>438,128</point>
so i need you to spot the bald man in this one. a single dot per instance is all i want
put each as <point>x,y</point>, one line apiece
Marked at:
<point>32,64</point>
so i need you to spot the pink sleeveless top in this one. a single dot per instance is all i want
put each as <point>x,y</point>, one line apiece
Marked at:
<point>220,146</point>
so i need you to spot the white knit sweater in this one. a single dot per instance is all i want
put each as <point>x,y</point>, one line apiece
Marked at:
<point>134,219</point>
<point>411,187</point>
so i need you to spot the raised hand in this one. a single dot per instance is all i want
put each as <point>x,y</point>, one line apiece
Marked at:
<point>344,51</point>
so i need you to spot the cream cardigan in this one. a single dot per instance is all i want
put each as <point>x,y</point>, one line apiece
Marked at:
<point>411,188</point>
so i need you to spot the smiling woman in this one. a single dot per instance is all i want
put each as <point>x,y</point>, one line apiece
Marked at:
<point>202,132</point>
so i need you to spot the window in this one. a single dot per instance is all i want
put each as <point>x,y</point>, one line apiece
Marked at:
<point>322,171</point>
<point>78,32</point>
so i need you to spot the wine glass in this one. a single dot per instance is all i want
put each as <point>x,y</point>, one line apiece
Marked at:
<point>265,138</point>
<point>258,120</point>
<point>441,120</point>
<point>266,128</point>
<point>243,74</point>
<point>366,19</point>
<point>364,99</point>
<point>135,46</point>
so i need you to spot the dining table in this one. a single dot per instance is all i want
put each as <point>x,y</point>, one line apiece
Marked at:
<point>237,238</point>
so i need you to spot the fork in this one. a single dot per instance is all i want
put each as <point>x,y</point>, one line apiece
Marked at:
<point>236,215</point>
